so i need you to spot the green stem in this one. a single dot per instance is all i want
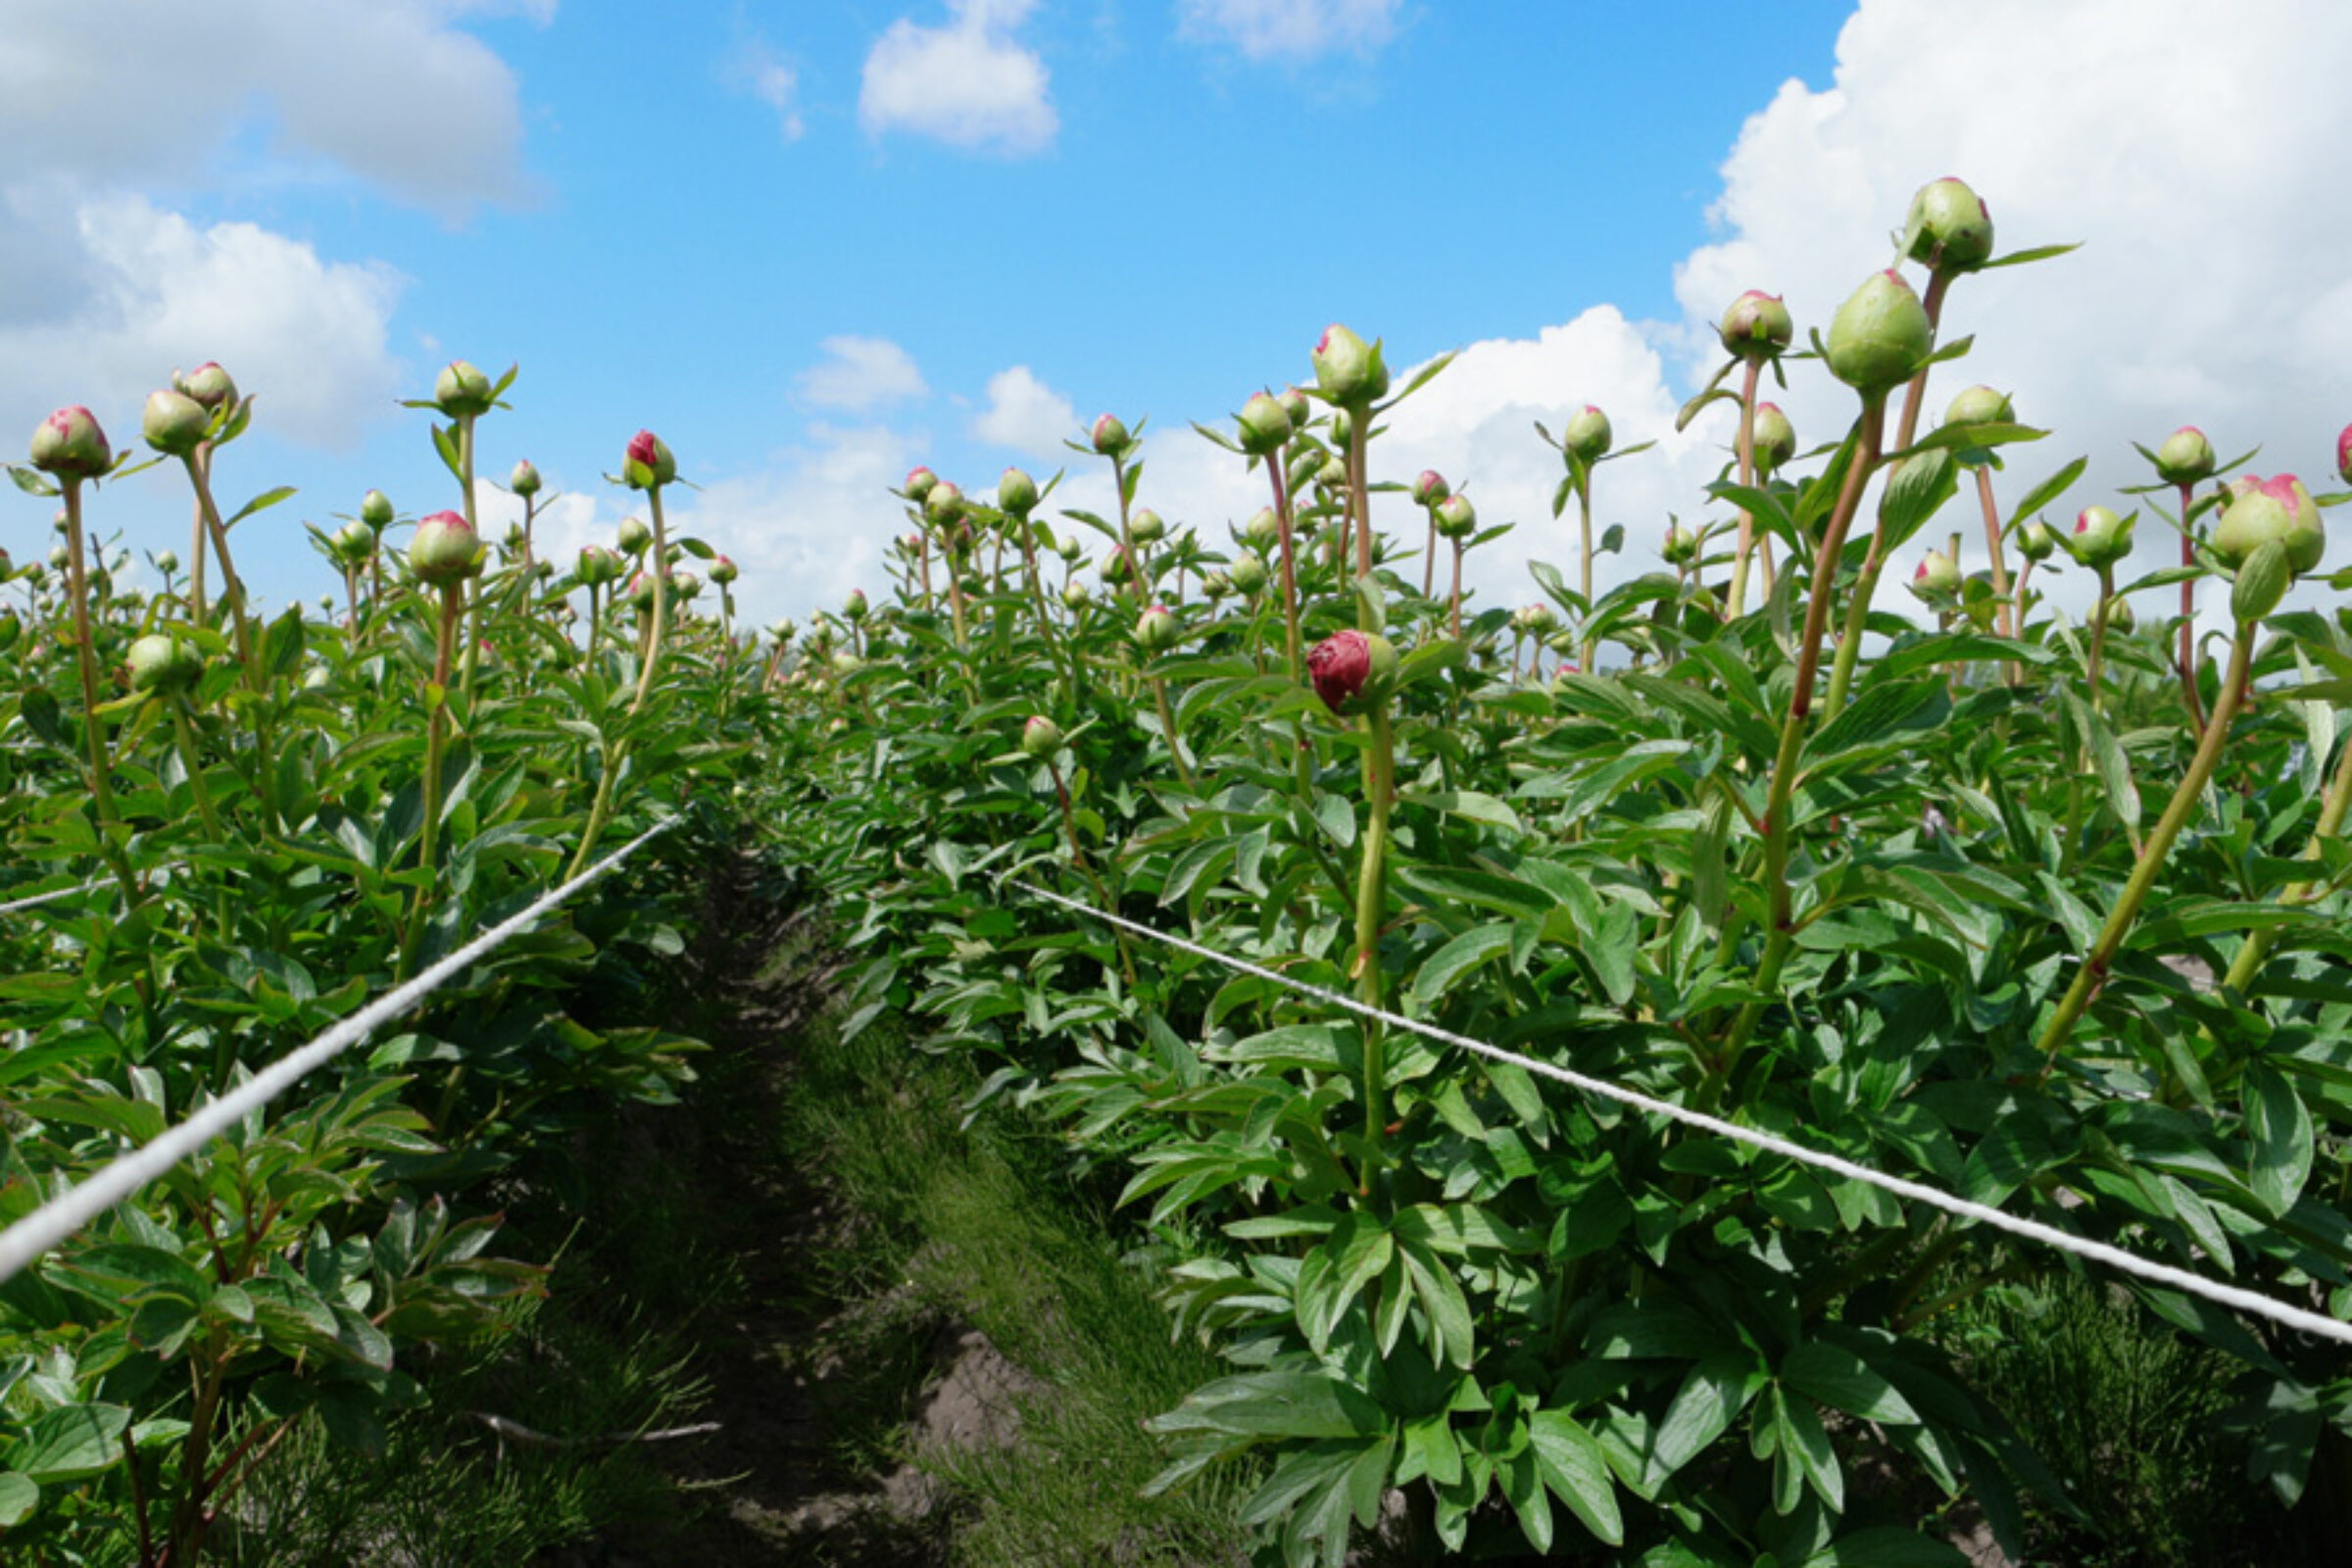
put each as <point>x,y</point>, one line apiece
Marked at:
<point>2188,618</point>
<point>93,723</point>
<point>1167,730</point>
<point>1360,501</point>
<point>257,678</point>
<point>193,760</point>
<point>2259,942</point>
<point>661,620</point>
<point>1584,526</point>
<point>435,739</point>
<point>1275,472</point>
<point>2093,970</point>
<point>1735,603</point>
<point>474,592</point>
<point>1371,903</point>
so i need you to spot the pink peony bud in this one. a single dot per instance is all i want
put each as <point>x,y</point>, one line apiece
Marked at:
<point>70,445</point>
<point>2343,454</point>
<point>1347,369</point>
<point>1041,737</point>
<point>1756,326</point>
<point>724,571</point>
<point>1938,578</point>
<point>1352,672</point>
<point>1110,435</point>
<point>208,385</point>
<point>918,485</point>
<point>444,552</point>
<point>2101,538</point>
<point>1431,487</point>
<point>524,481</point>
<point>2265,509</point>
<point>943,505</point>
<point>1456,517</point>
<point>648,465</point>
<point>1155,631</point>
<point>854,606</point>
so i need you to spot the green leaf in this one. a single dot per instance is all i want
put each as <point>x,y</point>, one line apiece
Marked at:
<point>1457,958</point>
<point>1716,1391</point>
<point>1572,1465</point>
<point>1467,804</point>
<point>2279,1131</point>
<point>20,1495</point>
<point>1336,815</point>
<point>70,1443</point>
<point>1886,1546</point>
<point>1841,1380</point>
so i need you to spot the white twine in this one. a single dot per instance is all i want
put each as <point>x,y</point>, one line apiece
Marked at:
<point>42,1229</point>
<point>2115,1258</point>
<point>49,897</point>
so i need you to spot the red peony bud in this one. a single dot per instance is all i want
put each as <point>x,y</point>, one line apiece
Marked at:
<point>208,385</point>
<point>1431,488</point>
<point>649,465</point>
<point>70,445</point>
<point>1352,672</point>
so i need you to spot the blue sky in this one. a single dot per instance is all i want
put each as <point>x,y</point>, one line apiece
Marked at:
<point>814,244</point>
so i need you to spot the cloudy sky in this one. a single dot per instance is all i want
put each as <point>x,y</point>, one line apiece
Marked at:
<point>813,246</point>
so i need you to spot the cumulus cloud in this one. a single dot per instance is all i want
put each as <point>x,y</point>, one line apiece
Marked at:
<point>1290,29</point>
<point>149,290</point>
<point>859,374</point>
<point>1025,415</point>
<point>771,80</point>
<point>965,83</point>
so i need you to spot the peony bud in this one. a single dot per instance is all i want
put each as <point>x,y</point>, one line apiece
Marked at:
<point>1938,579</point>
<point>597,567</point>
<point>1112,568</point>
<point>1155,631</point>
<point>164,666</point>
<point>2262,510</point>
<point>1772,438</point>
<point>1070,549</point>
<point>685,585</point>
<point>1041,737</point>
<point>353,543</point>
<point>1343,429</point>
<point>376,511</point>
<point>2343,454</point>
<point>943,505</point>
<point>1681,547</point>
<point>1979,404</point>
<point>1586,434</point>
<point>2120,616</point>
<point>1248,571</point>
<point>1537,619</point>
<point>461,391</point>
<point>1430,488</point>
<point>1217,585</point>
<point>724,571</point>
<point>1265,425</point>
<point>11,629</point>
<point>1456,517</point>
<point>648,465</point>
<point>1951,230</point>
<point>167,563</point>
<point>1264,531</point>
<point>70,445</point>
<point>524,481</point>
<point>1016,493</point>
<point>1294,404</point>
<point>175,423</point>
<point>1880,335</point>
<point>1146,527</point>
<point>60,559</point>
<point>1352,672</point>
<point>2261,583</point>
<point>854,607</point>
<point>918,485</point>
<point>635,537</point>
<point>1110,435</point>
<point>207,384</point>
<point>2101,538</point>
<point>1077,595</point>
<point>1756,326</point>
<point>444,551</point>
<point>2186,457</point>
<point>1349,373</point>
<point>2034,541</point>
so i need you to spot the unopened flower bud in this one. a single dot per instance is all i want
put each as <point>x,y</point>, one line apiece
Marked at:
<point>1146,527</point>
<point>60,558</point>
<point>208,385</point>
<point>1108,435</point>
<point>2186,457</point>
<point>1016,493</point>
<point>1072,549</point>
<point>1586,434</point>
<point>1681,547</point>
<point>1077,595</point>
<point>167,563</point>
<point>918,485</point>
<point>723,570</point>
<point>1333,475</point>
<point>1537,620</point>
<point>1430,488</point>
<point>1041,737</point>
<point>524,481</point>
<point>1264,531</point>
<point>1248,571</point>
<point>354,543</point>
<point>164,666</point>
<point>1773,439</point>
<point>943,505</point>
<point>444,552</point>
<point>175,423</point>
<point>1343,429</point>
<point>1979,404</point>
<point>2100,538</point>
<point>647,464</point>
<point>1265,425</point>
<point>597,567</point>
<point>2034,541</point>
<point>70,446</point>
<point>854,606</point>
<point>2121,617</point>
<point>1348,371</point>
<point>1938,578</point>
<point>1951,230</point>
<point>1155,631</point>
<point>1217,585</point>
<point>11,629</point>
<point>2280,509</point>
<point>1294,404</point>
<point>1352,672</point>
<point>376,511</point>
<point>1455,517</point>
<point>685,585</point>
<point>1756,326</point>
<point>1112,568</point>
<point>461,391</point>
<point>1878,335</point>
<point>2343,454</point>
<point>635,537</point>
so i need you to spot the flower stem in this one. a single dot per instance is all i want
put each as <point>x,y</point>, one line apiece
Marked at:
<point>1371,901</point>
<point>2258,944</point>
<point>2093,970</point>
<point>435,739</point>
<point>2188,618</point>
<point>1275,472</point>
<point>1735,603</point>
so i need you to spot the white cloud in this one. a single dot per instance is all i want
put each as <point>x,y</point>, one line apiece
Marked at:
<point>859,374</point>
<point>2211,286</point>
<point>386,91</point>
<point>772,80</point>
<point>1292,29</point>
<point>965,83</point>
<point>1025,415</point>
<point>149,290</point>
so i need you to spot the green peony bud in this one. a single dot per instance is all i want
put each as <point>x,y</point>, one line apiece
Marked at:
<point>1265,425</point>
<point>2186,457</point>
<point>2100,538</point>
<point>1756,326</point>
<point>1936,582</point>
<point>1773,439</point>
<point>167,563</point>
<point>70,446</point>
<point>854,607</point>
<point>524,481</point>
<point>1146,527</point>
<point>461,392</point>
<point>1951,230</point>
<point>1537,620</point>
<point>1264,531</point>
<point>164,666</point>
<point>1878,335</point>
<point>2262,582</point>
<point>1586,434</point>
<point>2034,541</point>
<point>1156,631</point>
<point>1979,404</point>
<point>1016,493</point>
<point>1077,595</point>
<point>376,511</point>
<point>207,384</point>
<point>943,505</point>
<point>1041,737</point>
<point>2271,511</point>
<point>635,537</point>
<point>1248,571</point>
<point>354,543</point>
<point>1455,517</point>
<point>1294,404</point>
<point>724,571</point>
<point>1348,372</point>
<point>1109,435</point>
<point>175,423</point>
<point>444,551</point>
<point>1681,547</point>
